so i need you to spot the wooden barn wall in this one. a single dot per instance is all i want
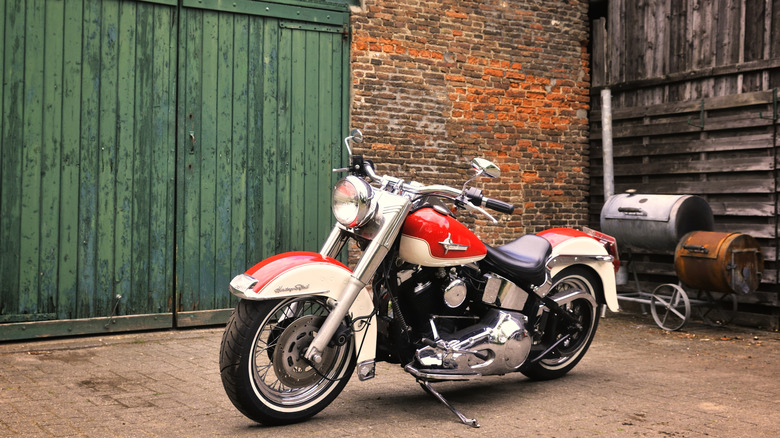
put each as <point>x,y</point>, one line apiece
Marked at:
<point>694,87</point>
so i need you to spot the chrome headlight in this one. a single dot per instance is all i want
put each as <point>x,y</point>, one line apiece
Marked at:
<point>352,202</point>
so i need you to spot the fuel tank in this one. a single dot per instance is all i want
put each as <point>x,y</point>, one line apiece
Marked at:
<point>432,238</point>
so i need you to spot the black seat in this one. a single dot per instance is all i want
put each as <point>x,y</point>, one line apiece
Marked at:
<point>521,261</point>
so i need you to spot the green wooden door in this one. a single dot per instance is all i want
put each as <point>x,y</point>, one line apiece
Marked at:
<point>152,149</point>
<point>262,110</point>
<point>87,164</point>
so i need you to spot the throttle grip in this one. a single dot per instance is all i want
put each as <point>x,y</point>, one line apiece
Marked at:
<point>500,206</point>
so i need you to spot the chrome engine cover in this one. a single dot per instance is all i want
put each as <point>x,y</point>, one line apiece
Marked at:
<point>499,344</point>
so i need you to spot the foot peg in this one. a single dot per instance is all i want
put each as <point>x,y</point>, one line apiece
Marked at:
<point>429,389</point>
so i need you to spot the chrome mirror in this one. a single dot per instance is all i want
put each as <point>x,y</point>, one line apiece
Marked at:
<point>485,167</point>
<point>356,135</point>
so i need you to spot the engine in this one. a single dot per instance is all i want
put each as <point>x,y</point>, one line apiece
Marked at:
<point>459,320</point>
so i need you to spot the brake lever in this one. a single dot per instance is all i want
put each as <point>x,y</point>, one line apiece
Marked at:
<point>472,207</point>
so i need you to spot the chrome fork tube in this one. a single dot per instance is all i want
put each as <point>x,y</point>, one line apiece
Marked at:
<point>392,210</point>
<point>334,243</point>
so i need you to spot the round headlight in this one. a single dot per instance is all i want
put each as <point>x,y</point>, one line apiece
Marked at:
<point>352,202</point>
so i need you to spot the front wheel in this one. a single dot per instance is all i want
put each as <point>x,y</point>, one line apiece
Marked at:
<point>262,365</point>
<point>552,329</point>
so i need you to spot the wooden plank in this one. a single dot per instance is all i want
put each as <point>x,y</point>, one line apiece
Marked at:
<point>31,166</point>
<point>138,299</point>
<point>67,286</point>
<point>88,160</point>
<point>207,222</point>
<point>682,127</point>
<point>599,55</point>
<point>676,108</point>
<point>192,105</point>
<point>51,154</point>
<point>617,38</point>
<point>203,318</point>
<point>127,166</point>
<point>256,120</point>
<point>754,29</point>
<point>284,146</point>
<point>226,140</point>
<point>692,167</point>
<point>736,143</point>
<point>163,159</point>
<point>328,130</point>
<point>699,187</point>
<point>271,229</point>
<point>311,201</point>
<point>693,75</point>
<point>11,153</point>
<point>108,159</point>
<point>298,82</point>
<point>736,208</point>
<point>240,145</point>
<point>76,327</point>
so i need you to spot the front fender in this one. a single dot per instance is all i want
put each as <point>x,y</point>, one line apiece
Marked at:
<point>585,250</point>
<point>302,273</point>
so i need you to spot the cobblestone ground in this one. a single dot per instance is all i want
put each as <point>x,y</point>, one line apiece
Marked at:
<point>636,380</point>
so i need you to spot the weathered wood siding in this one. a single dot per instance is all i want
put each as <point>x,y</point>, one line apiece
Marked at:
<point>694,85</point>
<point>152,149</point>
<point>87,158</point>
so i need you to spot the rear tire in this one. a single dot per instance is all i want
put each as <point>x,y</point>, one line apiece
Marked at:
<point>262,366</point>
<point>565,356</point>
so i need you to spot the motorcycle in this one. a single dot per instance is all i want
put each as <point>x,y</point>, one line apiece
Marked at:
<point>426,293</point>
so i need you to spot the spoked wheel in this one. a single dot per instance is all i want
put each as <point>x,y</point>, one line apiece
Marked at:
<point>568,346</point>
<point>670,306</point>
<point>262,362</point>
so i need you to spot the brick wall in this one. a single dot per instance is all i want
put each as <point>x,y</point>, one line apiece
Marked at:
<point>436,83</point>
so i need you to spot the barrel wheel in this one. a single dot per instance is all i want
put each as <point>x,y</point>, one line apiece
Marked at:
<point>670,306</point>
<point>717,309</point>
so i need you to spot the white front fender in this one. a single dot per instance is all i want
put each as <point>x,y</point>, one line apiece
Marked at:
<point>304,274</point>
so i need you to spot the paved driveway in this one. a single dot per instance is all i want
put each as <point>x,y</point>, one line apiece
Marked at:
<point>636,380</point>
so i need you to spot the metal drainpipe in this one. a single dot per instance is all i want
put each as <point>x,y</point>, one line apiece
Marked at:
<point>606,142</point>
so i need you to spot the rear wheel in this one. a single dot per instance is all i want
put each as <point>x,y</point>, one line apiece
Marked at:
<point>262,360</point>
<point>553,328</point>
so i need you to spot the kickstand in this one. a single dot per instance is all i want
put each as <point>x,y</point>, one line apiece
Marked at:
<point>429,389</point>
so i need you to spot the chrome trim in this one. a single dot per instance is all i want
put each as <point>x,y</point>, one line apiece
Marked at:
<point>366,370</point>
<point>570,259</point>
<point>241,285</point>
<point>439,375</point>
<point>449,245</point>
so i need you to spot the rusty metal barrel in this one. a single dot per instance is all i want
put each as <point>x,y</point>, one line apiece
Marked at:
<point>654,222</point>
<point>719,262</point>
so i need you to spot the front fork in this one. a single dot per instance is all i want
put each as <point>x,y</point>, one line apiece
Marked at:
<point>383,230</point>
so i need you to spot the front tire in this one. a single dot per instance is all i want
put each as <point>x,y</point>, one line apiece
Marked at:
<point>262,366</point>
<point>549,326</point>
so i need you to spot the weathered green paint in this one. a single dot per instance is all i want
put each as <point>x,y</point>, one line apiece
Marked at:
<point>74,327</point>
<point>88,160</point>
<point>254,126</point>
<point>150,151</point>
<point>335,13</point>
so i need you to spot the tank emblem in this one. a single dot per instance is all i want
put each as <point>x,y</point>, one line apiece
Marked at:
<point>449,245</point>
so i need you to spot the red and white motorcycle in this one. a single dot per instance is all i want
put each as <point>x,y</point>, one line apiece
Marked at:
<point>441,303</point>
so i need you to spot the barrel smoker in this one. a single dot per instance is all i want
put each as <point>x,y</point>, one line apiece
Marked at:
<point>713,268</point>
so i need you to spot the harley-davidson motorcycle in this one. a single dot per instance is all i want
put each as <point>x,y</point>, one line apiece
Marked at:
<point>426,293</point>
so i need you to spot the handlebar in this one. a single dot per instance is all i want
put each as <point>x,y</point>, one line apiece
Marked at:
<point>471,196</point>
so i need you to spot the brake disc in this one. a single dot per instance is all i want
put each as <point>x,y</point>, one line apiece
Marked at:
<point>289,364</point>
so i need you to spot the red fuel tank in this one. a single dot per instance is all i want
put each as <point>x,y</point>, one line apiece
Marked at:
<point>430,238</point>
